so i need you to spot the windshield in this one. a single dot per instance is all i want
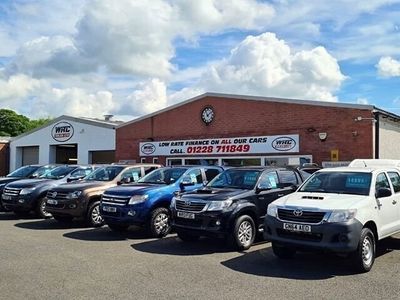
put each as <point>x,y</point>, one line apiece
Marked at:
<point>356,183</point>
<point>43,170</point>
<point>236,178</point>
<point>23,171</point>
<point>164,176</point>
<point>58,172</point>
<point>105,173</point>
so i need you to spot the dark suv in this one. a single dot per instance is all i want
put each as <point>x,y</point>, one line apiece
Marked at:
<point>147,202</point>
<point>29,171</point>
<point>233,205</point>
<point>26,195</point>
<point>81,199</point>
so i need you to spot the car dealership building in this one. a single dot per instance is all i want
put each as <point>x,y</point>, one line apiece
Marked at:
<point>65,140</point>
<point>244,130</point>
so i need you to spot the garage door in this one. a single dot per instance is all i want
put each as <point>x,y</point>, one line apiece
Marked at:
<point>101,157</point>
<point>30,155</point>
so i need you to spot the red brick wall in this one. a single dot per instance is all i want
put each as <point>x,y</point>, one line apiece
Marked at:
<point>4,161</point>
<point>235,118</point>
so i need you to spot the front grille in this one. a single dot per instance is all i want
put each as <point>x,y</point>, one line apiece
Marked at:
<point>313,197</point>
<point>11,191</point>
<point>302,236</point>
<point>189,205</point>
<point>312,217</point>
<point>115,200</point>
<point>56,195</point>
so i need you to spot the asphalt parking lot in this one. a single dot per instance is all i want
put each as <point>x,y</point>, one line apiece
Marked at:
<point>42,259</point>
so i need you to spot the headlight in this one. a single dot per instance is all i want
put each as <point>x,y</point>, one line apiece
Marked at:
<point>219,205</point>
<point>272,210</point>
<point>74,195</point>
<point>136,199</point>
<point>27,191</point>
<point>337,216</point>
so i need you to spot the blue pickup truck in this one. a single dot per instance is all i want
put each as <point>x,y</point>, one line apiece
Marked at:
<point>146,203</point>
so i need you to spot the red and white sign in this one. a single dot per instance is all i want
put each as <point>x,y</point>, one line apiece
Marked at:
<point>236,145</point>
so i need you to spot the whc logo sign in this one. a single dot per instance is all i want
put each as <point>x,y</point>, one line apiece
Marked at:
<point>62,131</point>
<point>284,143</point>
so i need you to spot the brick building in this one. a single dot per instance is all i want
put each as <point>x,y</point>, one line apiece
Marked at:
<point>244,130</point>
<point>4,155</point>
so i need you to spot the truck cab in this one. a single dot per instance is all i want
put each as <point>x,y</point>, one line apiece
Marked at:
<point>342,210</point>
<point>147,202</point>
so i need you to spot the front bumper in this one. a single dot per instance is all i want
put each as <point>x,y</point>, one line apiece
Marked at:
<point>19,203</point>
<point>208,223</point>
<point>335,237</point>
<point>69,208</point>
<point>124,215</point>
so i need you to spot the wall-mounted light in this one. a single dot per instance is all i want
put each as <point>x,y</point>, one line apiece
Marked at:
<point>354,133</point>
<point>322,136</point>
<point>359,118</point>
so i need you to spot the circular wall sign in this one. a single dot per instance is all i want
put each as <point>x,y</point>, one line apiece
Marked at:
<point>62,131</point>
<point>207,115</point>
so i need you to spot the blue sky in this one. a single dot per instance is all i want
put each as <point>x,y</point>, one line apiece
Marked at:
<point>132,57</point>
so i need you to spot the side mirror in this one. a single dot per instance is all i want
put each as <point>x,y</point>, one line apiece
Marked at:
<point>262,187</point>
<point>205,182</point>
<point>383,192</point>
<point>74,179</point>
<point>125,180</point>
<point>187,180</point>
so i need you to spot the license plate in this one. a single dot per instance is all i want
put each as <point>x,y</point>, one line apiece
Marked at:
<point>52,202</point>
<point>297,227</point>
<point>6,197</point>
<point>109,209</point>
<point>185,215</point>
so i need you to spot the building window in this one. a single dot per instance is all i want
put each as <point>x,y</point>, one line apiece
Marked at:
<point>155,160</point>
<point>143,160</point>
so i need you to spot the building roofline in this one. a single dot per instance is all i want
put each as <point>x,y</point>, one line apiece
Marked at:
<point>254,98</point>
<point>68,118</point>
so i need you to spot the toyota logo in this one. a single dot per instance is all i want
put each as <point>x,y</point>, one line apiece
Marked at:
<point>53,194</point>
<point>298,212</point>
<point>188,203</point>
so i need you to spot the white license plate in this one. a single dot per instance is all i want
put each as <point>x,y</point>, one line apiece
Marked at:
<point>109,209</point>
<point>52,202</point>
<point>6,197</point>
<point>297,227</point>
<point>185,215</point>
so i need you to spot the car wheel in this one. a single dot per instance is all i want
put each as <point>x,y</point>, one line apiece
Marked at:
<point>63,219</point>
<point>364,256</point>
<point>283,252</point>
<point>160,224</point>
<point>94,218</point>
<point>41,209</point>
<point>187,237</point>
<point>244,232</point>
<point>117,227</point>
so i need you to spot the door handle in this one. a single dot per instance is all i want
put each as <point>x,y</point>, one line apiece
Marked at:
<point>394,202</point>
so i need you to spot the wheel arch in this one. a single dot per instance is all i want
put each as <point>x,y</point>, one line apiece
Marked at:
<point>372,226</point>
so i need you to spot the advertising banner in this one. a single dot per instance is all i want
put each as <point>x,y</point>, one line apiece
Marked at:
<point>235,145</point>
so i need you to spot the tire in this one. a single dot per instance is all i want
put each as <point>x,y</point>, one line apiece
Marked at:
<point>41,209</point>
<point>63,219</point>
<point>283,252</point>
<point>117,227</point>
<point>187,237</point>
<point>244,233</point>
<point>159,223</point>
<point>364,256</point>
<point>93,216</point>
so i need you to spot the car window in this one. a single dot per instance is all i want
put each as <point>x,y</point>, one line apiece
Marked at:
<point>58,172</point>
<point>287,177</point>
<point>147,170</point>
<point>269,180</point>
<point>195,176</point>
<point>81,172</point>
<point>105,173</point>
<point>395,179</point>
<point>211,173</point>
<point>134,174</point>
<point>235,178</point>
<point>23,171</point>
<point>164,175</point>
<point>382,182</point>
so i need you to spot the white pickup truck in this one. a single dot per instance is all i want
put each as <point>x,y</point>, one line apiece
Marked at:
<point>343,210</point>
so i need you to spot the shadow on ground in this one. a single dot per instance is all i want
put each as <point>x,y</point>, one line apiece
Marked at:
<point>106,234</point>
<point>7,216</point>
<point>305,266</point>
<point>50,224</point>
<point>172,245</point>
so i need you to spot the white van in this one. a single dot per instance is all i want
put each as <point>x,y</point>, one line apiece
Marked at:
<point>343,210</point>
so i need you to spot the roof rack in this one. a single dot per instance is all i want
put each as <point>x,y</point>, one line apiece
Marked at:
<point>368,163</point>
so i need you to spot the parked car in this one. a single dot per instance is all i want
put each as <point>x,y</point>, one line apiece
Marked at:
<point>232,205</point>
<point>82,199</point>
<point>343,210</point>
<point>26,195</point>
<point>29,171</point>
<point>147,202</point>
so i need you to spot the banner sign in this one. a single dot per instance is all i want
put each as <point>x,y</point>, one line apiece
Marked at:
<point>62,131</point>
<point>236,145</point>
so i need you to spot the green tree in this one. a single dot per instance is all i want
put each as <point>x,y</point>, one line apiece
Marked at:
<point>12,124</point>
<point>39,122</point>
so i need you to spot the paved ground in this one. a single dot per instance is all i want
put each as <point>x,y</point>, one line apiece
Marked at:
<point>40,259</point>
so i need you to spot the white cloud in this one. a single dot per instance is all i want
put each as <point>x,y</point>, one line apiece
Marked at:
<point>264,65</point>
<point>388,67</point>
<point>362,101</point>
